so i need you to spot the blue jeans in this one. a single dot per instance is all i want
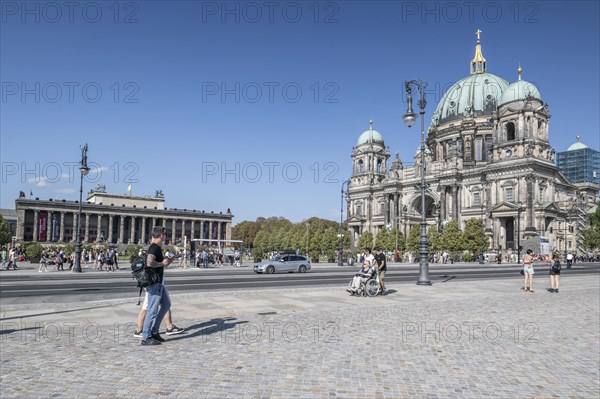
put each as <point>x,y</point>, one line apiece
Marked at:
<point>157,295</point>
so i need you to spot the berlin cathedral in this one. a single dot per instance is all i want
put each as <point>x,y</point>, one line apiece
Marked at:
<point>488,156</point>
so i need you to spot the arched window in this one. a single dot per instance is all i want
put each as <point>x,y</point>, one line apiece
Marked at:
<point>361,166</point>
<point>510,131</point>
<point>378,165</point>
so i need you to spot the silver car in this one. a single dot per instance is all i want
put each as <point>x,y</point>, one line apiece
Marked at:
<point>284,263</point>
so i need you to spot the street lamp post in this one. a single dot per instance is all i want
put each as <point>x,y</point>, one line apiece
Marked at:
<point>481,257</point>
<point>519,234</point>
<point>307,237</point>
<point>409,120</point>
<point>83,168</point>
<point>340,255</point>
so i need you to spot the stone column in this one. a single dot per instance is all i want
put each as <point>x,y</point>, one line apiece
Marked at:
<point>122,229</point>
<point>61,234</point>
<point>48,226</point>
<point>228,231</point>
<point>110,228</point>
<point>192,230</point>
<point>36,224</point>
<point>99,227</point>
<point>219,229</point>
<point>132,230</point>
<point>143,237</point>
<point>173,225</point>
<point>455,202</point>
<point>76,227</point>
<point>529,226</point>
<point>86,232</point>
<point>182,230</point>
<point>443,205</point>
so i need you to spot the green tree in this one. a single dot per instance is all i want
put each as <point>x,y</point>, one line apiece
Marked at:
<point>5,236</point>
<point>474,236</point>
<point>414,236</point>
<point>34,251</point>
<point>69,249</point>
<point>401,240</point>
<point>365,240</point>
<point>433,236</point>
<point>384,240</point>
<point>452,238</point>
<point>591,235</point>
<point>134,250</point>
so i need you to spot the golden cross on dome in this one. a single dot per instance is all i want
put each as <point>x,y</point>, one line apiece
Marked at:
<point>477,33</point>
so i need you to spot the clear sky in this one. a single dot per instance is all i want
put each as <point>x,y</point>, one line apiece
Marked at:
<point>255,106</point>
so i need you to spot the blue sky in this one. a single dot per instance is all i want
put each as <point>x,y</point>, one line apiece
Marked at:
<point>256,106</point>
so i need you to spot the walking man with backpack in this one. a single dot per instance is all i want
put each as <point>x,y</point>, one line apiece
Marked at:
<point>159,302</point>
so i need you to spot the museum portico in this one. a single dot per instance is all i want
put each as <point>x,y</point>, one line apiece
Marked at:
<point>115,219</point>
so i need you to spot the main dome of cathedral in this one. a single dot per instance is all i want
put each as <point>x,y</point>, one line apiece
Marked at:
<point>480,93</point>
<point>475,95</point>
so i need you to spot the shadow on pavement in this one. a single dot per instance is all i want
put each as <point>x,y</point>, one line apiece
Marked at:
<point>208,327</point>
<point>59,312</point>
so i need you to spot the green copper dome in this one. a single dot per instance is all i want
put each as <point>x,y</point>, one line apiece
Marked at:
<point>477,94</point>
<point>578,145</point>
<point>520,90</point>
<point>370,136</point>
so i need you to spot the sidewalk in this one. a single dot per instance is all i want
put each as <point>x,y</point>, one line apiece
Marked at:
<point>457,339</point>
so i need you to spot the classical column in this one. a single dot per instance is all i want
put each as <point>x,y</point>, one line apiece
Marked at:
<point>173,231</point>
<point>143,237</point>
<point>122,229</point>
<point>110,228</point>
<point>182,230</point>
<point>61,234</point>
<point>36,225</point>
<point>76,226</point>
<point>49,226</point>
<point>132,230</point>
<point>219,228</point>
<point>192,230</point>
<point>443,205</point>
<point>86,232</point>
<point>529,227</point>
<point>228,231</point>
<point>455,202</point>
<point>99,228</point>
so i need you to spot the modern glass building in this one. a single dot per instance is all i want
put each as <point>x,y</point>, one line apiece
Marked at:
<point>580,163</point>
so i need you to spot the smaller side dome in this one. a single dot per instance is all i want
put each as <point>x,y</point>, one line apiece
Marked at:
<point>520,90</point>
<point>370,136</point>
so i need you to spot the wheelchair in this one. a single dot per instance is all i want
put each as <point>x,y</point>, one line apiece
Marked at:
<point>369,288</point>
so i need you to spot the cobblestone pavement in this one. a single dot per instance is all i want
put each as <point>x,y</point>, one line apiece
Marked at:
<point>468,339</point>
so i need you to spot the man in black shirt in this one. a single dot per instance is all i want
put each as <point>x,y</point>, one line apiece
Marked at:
<point>157,294</point>
<point>381,267</point>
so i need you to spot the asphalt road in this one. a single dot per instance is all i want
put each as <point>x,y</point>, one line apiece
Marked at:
<point>25,287</point>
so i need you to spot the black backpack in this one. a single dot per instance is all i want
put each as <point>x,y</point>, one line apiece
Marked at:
<point>556,266</point>
<point>144,275</point>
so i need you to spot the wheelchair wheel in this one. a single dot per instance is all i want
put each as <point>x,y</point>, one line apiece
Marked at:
<point>372,287</point>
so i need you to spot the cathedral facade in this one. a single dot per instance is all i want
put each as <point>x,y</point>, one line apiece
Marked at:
<point>487,156</point>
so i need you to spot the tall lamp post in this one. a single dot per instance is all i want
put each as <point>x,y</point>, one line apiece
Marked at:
<point>519,234</point>
<point>340,254</point>
<point>481,257</point>
<point>83,168</point>
<point>409,120</point>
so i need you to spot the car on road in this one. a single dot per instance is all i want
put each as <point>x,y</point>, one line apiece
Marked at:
<point>283,264</point>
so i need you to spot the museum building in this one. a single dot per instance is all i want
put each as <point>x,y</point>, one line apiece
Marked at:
<point>116,219</point>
